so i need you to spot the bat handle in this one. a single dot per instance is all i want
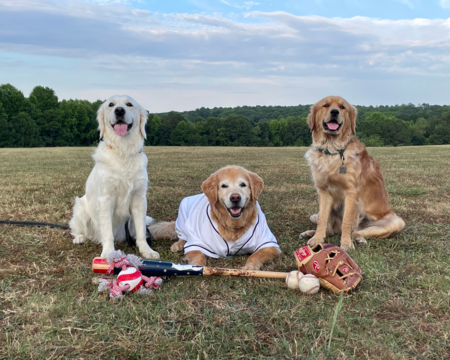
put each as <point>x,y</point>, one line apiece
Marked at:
<point>214,271</point>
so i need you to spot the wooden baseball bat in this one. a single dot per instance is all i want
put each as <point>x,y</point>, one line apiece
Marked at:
<point>161,268</point>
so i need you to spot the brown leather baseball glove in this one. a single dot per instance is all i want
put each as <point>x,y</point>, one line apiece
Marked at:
<point>332,265</point>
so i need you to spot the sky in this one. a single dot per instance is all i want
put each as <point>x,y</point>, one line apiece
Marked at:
<point>185,54</point>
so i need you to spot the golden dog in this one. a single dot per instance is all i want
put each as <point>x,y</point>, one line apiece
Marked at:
<point>224,221</point>
<point>352,196</point>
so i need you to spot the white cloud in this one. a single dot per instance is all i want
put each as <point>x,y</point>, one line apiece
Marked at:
<point>109,2</point>
<point>246,5</point>
<point>445,4</point>
<point>408,3</point>
<point>75,29</point>
<point>277,59</point>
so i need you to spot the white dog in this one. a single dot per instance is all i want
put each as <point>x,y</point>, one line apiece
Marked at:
<point>117,186</point>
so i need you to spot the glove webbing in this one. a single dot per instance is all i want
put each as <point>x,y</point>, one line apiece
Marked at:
<point>337,266</point>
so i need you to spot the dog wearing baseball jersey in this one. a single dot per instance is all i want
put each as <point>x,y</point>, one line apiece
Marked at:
<point>352,197</point>
<point>224,221</point>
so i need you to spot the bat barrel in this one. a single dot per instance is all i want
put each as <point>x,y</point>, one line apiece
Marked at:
<point>150,268</point>
<point>213,271</point>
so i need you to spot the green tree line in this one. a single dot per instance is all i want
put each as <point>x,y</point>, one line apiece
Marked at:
<point>42,120</point>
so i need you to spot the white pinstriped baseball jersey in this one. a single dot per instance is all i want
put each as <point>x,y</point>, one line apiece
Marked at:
<point>195,225</point>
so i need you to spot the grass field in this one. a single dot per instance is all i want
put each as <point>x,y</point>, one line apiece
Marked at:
<point>49,308</point>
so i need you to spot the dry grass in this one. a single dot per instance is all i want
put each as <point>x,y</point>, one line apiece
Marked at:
<point>49,308</point>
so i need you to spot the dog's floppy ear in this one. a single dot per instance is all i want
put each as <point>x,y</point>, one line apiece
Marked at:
<point>143,121</point>
<point>101,119</point>
<point>256,186</point>
<point>210,188</point>
<point>353,113</point>
<point>312,118</point>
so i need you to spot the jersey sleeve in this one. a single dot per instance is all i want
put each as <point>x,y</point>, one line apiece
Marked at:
<point>180,223</point>
<point>190,226</point>
<point>265,237</point>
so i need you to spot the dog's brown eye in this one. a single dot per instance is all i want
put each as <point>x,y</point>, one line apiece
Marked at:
<point>129,104</point>
<point>243,185</point>
<point>342,107</point>
<point>224,186</point>
<point>326,105</point>
<point>111,105</point>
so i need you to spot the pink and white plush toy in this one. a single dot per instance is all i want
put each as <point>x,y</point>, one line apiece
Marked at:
<point>130,279</point>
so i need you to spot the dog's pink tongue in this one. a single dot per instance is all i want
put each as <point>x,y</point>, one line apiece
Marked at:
<point>120,129</point>
<point>235,210</point>
<point>333,126</point>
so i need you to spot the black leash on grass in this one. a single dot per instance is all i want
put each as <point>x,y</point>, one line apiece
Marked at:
<point>130,240</point>
<point>33,223</point>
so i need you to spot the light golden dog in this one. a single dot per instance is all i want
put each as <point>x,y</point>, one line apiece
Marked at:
<point>116,189</point>
<point>352,197</point>
<point>225,220</point>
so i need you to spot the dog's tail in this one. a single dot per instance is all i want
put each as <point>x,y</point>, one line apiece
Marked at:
<point>392,225</point>
<point>382,229</point>
<point>163,230</point>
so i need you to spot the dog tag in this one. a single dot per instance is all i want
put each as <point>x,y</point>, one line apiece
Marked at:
<point>343,170</point>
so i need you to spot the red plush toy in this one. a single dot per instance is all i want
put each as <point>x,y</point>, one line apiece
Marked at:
<point>130,279</point>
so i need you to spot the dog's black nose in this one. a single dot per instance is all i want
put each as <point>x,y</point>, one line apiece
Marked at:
<point>334,112</point>
<point>235,197</point>
<point>120,111</point>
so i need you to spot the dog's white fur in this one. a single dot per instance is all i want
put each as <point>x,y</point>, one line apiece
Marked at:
<point>117,186</point>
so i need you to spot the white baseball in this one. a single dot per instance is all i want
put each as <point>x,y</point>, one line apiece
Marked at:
<point>293,278</point>
<point>309,284</point>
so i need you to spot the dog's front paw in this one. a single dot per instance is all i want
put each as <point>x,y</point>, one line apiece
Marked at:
<point>251,266</point>
<point>315,240</point>
<point>347,245</point>
<point>106,251</point>
<point>359,238</point>
<point>79,239</point>
<point>178,246</point>
<point>150,254</point>
<point>307,234</point>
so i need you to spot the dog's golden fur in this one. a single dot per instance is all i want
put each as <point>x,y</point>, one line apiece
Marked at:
<point>352,204</point>
<point>231,229</point>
